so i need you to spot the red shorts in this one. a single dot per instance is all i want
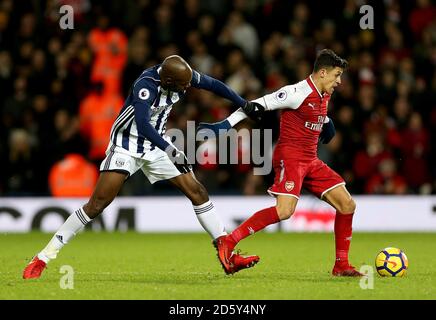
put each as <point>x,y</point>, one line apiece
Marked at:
<point>315,176</point>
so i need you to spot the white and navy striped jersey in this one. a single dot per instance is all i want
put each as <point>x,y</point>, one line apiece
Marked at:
<point>141,124</point>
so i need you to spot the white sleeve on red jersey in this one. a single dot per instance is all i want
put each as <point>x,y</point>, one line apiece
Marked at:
<point>287,97</point>
<point>236,117</point>
<point>291,96</point>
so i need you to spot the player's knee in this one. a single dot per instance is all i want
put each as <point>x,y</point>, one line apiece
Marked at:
<point>285,211</point>
<point>347,206</point>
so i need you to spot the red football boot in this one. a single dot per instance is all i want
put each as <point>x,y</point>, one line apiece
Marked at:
<point>230,261</point>
<point>34,268</point>
<point>345,270</point>
<point>224,248</point>
<point>239,262</point>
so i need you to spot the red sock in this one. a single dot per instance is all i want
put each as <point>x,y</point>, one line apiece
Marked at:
<point>256,222</point>
<point>343,231</point>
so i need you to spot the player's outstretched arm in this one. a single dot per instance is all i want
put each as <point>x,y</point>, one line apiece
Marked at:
<point>251,109</point>
<point>287,97</point>
<point>223,126</point>
<point>203,81</point>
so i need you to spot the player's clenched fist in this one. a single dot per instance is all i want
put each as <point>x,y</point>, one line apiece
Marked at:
<point>254,110</point>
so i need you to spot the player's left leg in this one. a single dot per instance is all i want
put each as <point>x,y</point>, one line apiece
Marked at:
<point>286,188</point>
<point>107,187</point>
<point>329,186</point>
<point>160,167</point>
<point>208,218</point>
<point>340,199</point>
<point>114,170</point>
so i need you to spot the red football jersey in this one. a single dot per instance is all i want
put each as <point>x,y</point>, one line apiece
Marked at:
<point>295,161</point>
<point>303,115</point>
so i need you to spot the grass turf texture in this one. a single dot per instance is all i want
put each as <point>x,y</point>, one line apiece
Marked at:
<point>185,266</point>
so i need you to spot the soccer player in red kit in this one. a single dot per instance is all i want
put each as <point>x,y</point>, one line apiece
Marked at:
<point>303,123</point>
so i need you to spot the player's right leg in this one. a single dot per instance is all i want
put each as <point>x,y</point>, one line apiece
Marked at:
<point>286,188</point>
<point>283,210</point>
<point>210,221</point>
<point>108,185</point>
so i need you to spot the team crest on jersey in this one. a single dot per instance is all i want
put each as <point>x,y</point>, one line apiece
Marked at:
<point>289,185</point>
<point>120,162</point>
<point>143,94</point>
<point>281,95</point>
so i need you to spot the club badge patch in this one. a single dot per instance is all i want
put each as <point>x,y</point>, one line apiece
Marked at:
<point>289,185</point>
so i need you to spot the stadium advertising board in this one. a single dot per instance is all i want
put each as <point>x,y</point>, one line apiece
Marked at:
<point>174,214</point>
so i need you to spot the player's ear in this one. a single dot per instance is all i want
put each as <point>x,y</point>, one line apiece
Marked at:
<point>322,72</point>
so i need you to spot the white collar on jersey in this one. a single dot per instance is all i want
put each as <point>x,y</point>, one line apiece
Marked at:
<point>315,86</point>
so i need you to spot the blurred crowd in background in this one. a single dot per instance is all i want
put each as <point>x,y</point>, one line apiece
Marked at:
<point>60,90</point>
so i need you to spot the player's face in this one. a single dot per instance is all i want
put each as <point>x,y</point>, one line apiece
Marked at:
<point>180,82</point>
<point>332,78</point>
<point>181,86</point>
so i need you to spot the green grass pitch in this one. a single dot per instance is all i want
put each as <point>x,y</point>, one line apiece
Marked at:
<point>184,266</point>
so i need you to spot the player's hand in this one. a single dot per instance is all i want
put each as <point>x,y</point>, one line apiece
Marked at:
<point>254,110</point>
<point>328,132</point>
<point>217,128</point>
<point>179,159</point>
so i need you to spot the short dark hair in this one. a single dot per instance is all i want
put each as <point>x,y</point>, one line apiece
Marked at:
<point>327,58</point>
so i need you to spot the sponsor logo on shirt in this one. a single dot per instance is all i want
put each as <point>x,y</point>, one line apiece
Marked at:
<point>315,126</point>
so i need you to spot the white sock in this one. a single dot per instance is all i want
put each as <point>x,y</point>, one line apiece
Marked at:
<point>209,219</point>
<point>65,233</point>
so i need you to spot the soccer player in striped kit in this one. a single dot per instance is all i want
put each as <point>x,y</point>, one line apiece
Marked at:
<point>137,142</point>
<point>303,123</point>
